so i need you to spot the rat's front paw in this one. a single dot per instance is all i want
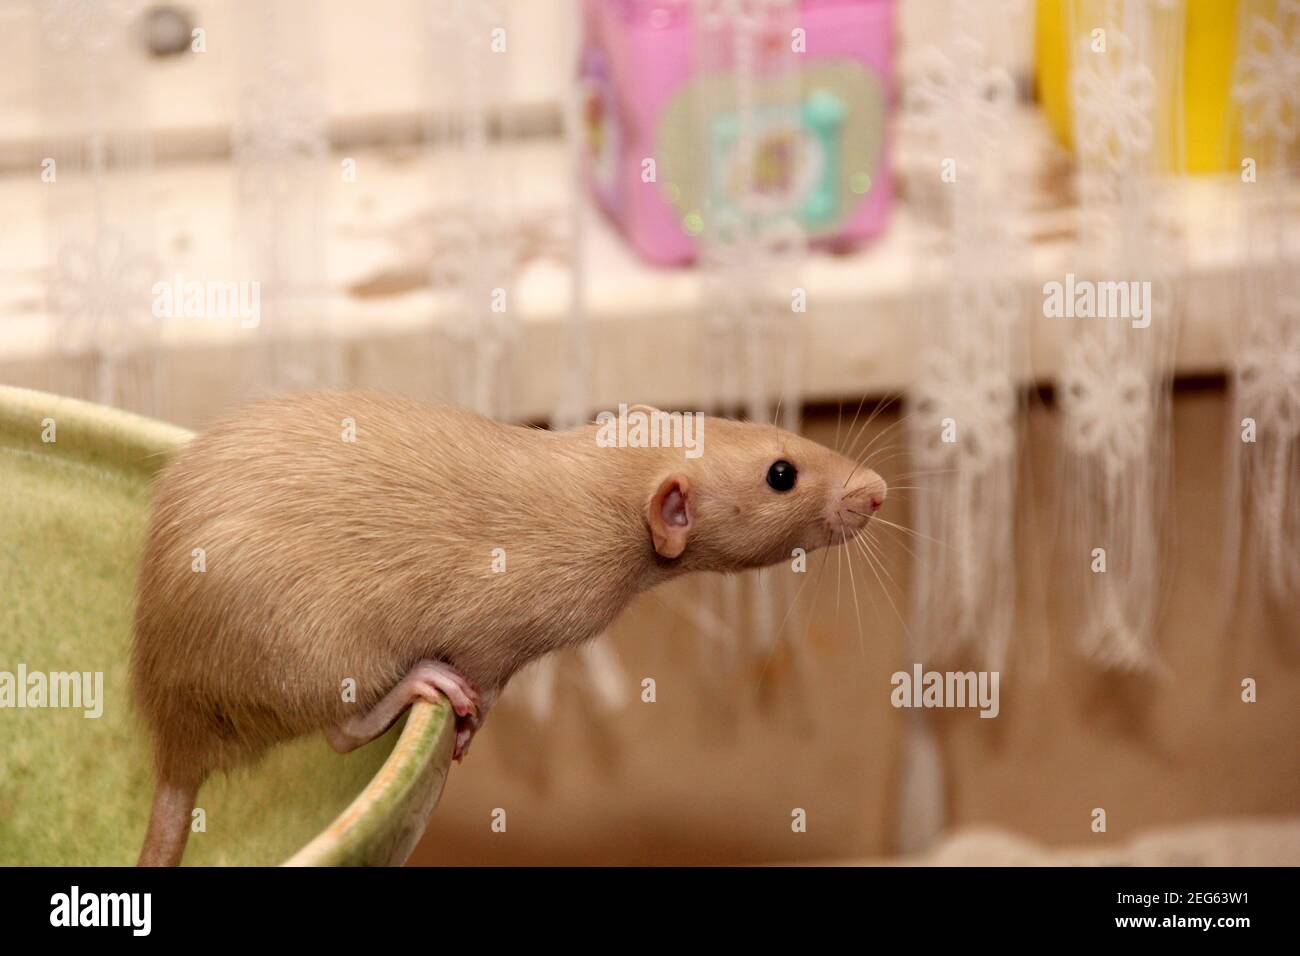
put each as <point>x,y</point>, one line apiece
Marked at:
<point>428,677</point>
<point>467,727</point>
<point>427,680</point>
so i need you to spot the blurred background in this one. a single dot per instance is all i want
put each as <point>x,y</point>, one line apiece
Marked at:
<point>845,216</point>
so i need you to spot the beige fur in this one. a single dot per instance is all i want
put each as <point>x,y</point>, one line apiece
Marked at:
<point>328,560</point>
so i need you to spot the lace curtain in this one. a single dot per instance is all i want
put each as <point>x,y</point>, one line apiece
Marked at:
<point>1264,432</point>
<point>96,160</point>
<point>964,413</point>
<point>1113,386</point>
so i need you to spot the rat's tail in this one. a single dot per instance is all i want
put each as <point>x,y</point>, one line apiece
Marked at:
<point>169,821</point>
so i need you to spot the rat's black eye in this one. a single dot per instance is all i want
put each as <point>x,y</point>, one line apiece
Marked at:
<point>781,475</point>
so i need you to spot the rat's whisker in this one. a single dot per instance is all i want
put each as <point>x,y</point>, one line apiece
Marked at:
<point>901,542</point>
<point>875,607</point>
<point>868,459</point>
<point>867,543</point>
<point>887,429</point>
<point>896,448</point>
<point>840,421</point>
<point>884,400</point>
<point>881,466</point>
<point>920,481</point>
<point>780,628</point>
<point>839,572</point>
<point>857,610</point>
<point>855,438</point>
<point>927,473</point>
<point>913,532</point>
<point>890,524</point>
<point>771,653</point>
<point>871,563</point>
<point>895,496</point>
<point>903,448</point>
<point>860,464</point>
<point>820,574</point>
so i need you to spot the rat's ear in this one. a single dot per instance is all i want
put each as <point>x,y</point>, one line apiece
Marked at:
<point>669,515</point>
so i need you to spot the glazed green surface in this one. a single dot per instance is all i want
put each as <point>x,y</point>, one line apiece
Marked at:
<point>76,790</point>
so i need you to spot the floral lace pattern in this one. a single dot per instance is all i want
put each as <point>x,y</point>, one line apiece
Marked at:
<point>1266,499</point>
<point>965,410</point>
<point>980,402</point>
<point>100,294</point>
<point>1267,83</point>
<point>1113,390</point>
<point>1107,400</point>
<point>1114,92</point>
<point>959,105</point>
<point>1268,379</point>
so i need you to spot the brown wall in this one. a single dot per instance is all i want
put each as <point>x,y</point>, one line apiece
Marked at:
<point>711,771</point>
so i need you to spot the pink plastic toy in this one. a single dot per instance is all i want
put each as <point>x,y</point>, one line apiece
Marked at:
<point>819,153</point>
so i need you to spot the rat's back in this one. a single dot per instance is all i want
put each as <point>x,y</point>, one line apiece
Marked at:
<point>281,535</point>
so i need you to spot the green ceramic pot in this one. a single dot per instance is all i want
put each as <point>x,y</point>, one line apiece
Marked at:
<point>75,779</point>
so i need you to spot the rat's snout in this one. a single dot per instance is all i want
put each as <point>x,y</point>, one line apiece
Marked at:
<point>853,505</point>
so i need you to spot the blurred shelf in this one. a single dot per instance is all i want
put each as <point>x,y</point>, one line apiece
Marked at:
<point>859,333</point>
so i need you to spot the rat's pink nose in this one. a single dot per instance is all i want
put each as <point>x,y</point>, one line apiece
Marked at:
<point>874,491</point>
<point>859,501</point>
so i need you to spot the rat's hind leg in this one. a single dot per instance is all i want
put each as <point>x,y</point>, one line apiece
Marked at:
<point>427,680</point>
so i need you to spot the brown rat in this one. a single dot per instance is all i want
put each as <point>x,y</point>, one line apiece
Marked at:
<point>374,561</point>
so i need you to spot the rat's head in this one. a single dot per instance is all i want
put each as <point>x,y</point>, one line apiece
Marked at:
<point>753,495</point>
